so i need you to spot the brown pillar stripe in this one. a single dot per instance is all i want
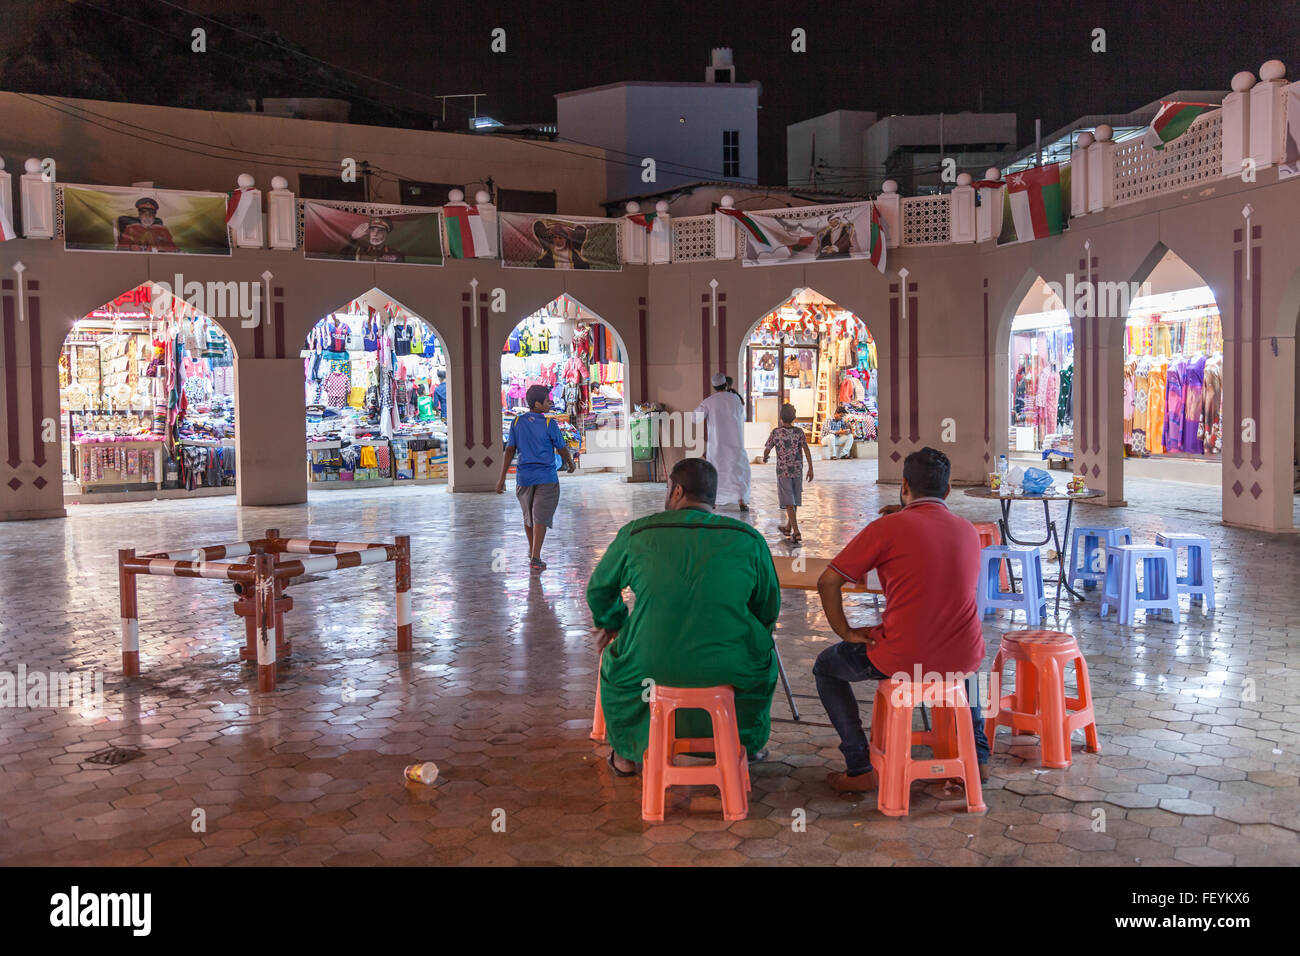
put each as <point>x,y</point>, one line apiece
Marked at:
<point>468,365</point>
<point>894,435</point>
<point>402,562</point>
<point>913,368</point>
<point>11,384</point>
<point>705,360</point>
<point>1256,384</point>
<point>484,352</point>
<point>278,311</point>
<point>1094,368</point>
<point>1080,408</point>
<point>259,339</point>
<point>38,380</point>
<point>722,337</point>
<point>987,358</point>
<point>1236,360</point>
<point>644,359</point>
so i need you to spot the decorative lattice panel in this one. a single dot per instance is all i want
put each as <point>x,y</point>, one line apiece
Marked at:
<point>361,209</point>
<point>926,220</point>
<point>1195,157</point>
<point>692,238</point>
<point>58,211</point>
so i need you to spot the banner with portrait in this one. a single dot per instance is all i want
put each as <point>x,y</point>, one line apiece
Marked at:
<point>529,241</point>
<point>117,219</point>
<point>843,233</point>
<point>414,238</point>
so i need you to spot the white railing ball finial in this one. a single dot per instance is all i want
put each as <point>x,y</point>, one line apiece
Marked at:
<point>32,165</point>
<point>661,207</point>
<point>456,195</point>
<point>963,179</point>
<point>889,186</point>
<point>993,174</point>
<point>633,208</point>
<point>1272,70</point>
<point>1243,81</point>
<point>1086,139</point>
<point>245,181</point>
<point>1104,133</point>
<point>279,182</point>
<point>482,197</point>
<point>728,201</point>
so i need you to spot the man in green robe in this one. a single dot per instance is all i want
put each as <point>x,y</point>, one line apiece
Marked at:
<point>707,598</point>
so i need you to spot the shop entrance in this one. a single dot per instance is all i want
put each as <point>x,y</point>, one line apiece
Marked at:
<point>568,348</point>
<point>1174,377</point>
<point>146,402</point>
<point>820,358</point>
<point>1041,403</point>
<point>377,385</point>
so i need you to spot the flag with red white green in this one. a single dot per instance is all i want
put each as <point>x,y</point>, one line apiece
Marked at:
<point>1172,121</point>
<point>466,235</point>
<point>6,227</point>
<point>646,220</point>
<point>843,232</point>
<point>878,241</point>
<point>1036,204</point>
<point>241,204</point>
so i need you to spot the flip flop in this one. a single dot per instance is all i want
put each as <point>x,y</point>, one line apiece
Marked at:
<point>796,539</point>
<point>537,564</point>
<point>617,772</point>
<point>784,531</point>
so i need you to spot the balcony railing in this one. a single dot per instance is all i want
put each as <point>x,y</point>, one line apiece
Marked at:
<point>1195,157</point>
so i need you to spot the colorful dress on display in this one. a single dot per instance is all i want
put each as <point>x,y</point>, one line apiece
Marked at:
<point>1174,399</point>
<point>1193,406</point>
<point>1130,367</point>
<point>1211,425</point>
<point>1064,401</point>
<point>1157,385</point>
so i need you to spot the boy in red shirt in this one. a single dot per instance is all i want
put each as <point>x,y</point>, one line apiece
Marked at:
<point>928,562</point>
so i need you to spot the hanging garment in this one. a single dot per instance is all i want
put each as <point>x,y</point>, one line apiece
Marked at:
<point>1065,401</point>
<point>336,389</point>
<point>1193,406</point>
<point>725,449</point>
<point>1173,431</point>
<point>417,340</point>
<point>370,334</point>
<point>1212,405</point>
<point>402,339</point>
<point>1157,384</point>
<point>338,337</point>
<point>1130,369</point>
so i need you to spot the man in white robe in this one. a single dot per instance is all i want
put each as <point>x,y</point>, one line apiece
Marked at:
<point>724,413</point>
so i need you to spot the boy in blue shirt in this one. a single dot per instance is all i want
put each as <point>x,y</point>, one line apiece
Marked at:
<point>537,484</point>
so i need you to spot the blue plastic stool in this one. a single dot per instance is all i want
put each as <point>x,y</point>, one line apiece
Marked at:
<point>1094,540</point>
<point>1198,583</point>
<point>1120,591</point>
<point>1029,598</point>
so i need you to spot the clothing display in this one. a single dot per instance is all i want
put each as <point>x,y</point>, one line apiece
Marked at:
<point>370,408</point>
<point>812,354</point>
<point>1042,372</point>
<point>577,357</point>
<point>1173,375</point>
<point>161,381</point>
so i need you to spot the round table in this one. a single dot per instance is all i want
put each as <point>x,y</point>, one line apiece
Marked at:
<point>1050,535</point>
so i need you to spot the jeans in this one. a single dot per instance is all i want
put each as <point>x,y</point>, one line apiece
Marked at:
<point>838,444</point>
<point>843,664</point>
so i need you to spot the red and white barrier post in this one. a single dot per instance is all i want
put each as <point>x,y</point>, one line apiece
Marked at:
<point>264,614</point>
<point>403,564</point>
<point>130,614</point>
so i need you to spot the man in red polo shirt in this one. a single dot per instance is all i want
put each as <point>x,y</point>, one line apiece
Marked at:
<point>928,562</point>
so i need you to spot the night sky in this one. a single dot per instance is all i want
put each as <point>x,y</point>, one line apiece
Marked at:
<point>917,56</point>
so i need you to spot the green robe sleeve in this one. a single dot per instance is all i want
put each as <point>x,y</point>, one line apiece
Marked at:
<point>605,589</point>
<point>765,602</point>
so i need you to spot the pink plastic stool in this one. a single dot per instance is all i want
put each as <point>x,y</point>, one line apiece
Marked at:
<point>730,770</point>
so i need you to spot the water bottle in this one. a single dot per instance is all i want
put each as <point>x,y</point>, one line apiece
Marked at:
<point>1003,466</point>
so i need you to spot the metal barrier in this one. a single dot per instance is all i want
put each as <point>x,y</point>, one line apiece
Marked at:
<point>259,586</point>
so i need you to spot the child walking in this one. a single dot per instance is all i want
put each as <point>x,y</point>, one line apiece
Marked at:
<point>789,440</point>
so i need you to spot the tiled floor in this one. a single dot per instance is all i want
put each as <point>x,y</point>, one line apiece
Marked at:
<point>1200,724</point>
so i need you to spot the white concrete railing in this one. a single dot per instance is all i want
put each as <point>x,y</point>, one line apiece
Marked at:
<point>1195,157</point>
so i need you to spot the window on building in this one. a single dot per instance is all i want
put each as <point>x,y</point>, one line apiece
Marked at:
<point>426,194</point>
<point>526,200</point>
<point>330,187</point>
<point>730,153</point>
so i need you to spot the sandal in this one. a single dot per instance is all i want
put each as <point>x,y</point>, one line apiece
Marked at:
<point>796,539</point>
<point>785,532</point>
<point>617,772</point>
<point>744,507</point>
<point>537,564</point>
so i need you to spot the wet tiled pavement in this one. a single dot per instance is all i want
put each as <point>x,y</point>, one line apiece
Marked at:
<point>1199,722</point>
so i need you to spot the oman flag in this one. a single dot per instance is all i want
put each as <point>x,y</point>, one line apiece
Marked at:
<point>1036,204</point>
<point>241,204</point>
<point>466,237</point>
<point>877,244</point>
<point>647,220</point>
<point>1172,121</point>
<point>6,227</point>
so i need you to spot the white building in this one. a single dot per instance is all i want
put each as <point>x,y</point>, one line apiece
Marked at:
<point>861,151</point>
<point>692,131</point>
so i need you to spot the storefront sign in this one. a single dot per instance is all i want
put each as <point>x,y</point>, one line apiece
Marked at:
<point>412,238</point>
<point>114,219</point>
<point>555,242</point>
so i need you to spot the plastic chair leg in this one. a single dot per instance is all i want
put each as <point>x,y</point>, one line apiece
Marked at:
<point>729,756</point>
<point>1054,738</point>
<point>656,758</point>
<point>1093,745</point>
<point>965,729</point>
